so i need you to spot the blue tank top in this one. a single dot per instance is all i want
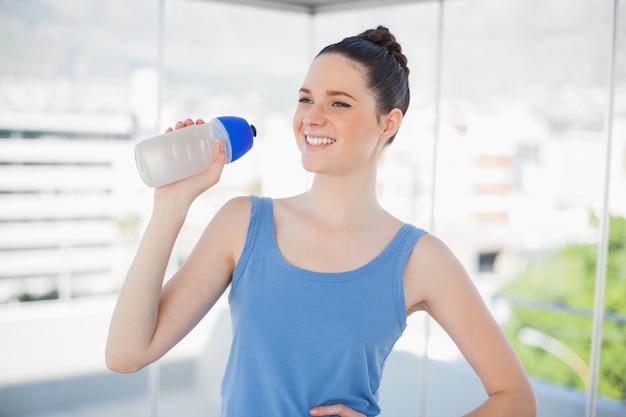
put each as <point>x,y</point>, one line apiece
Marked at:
<point>303,338</point>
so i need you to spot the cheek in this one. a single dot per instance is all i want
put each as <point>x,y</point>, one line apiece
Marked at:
<point>296,121</point>
<point>296,125</point>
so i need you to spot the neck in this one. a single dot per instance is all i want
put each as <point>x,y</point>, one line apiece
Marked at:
<point>343,201</point>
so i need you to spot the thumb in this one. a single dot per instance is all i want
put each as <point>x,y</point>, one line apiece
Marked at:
<point>219,153</point>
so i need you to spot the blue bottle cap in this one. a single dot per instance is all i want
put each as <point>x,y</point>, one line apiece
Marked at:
<point>240,134</point>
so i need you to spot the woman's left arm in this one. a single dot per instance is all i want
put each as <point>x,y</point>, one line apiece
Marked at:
<point>435,281</point>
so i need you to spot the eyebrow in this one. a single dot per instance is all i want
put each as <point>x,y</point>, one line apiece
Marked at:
<point>329,92</point>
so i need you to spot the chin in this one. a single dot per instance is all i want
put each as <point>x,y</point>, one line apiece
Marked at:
<point>311,167</point>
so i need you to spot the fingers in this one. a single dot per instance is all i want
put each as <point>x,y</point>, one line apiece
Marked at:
<point>185,123</point>
<point>335,410</point>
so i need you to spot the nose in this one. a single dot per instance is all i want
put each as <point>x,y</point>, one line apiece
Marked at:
<point>314,116</point>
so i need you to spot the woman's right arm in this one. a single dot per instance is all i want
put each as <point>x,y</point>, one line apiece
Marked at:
<point>150,318</point>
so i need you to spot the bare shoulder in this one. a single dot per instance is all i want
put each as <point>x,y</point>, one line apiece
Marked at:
<point>430,269</point>
<point>236,209</point>
<point>431,251</point>
<point>227,230</point>
<point>234,215</point>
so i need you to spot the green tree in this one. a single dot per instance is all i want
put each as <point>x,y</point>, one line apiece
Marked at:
<point>554,296</point>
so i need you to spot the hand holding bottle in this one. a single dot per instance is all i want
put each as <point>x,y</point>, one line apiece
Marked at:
<point>179,154</point>
<point>191,187</point>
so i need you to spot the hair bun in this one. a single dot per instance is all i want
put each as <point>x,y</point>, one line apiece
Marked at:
<point>383,37</point>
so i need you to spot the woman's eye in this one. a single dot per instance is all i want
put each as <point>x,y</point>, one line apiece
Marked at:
<point>340,104</point>
<point>304,100</point>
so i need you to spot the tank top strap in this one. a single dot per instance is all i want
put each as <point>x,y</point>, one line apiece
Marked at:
<point>405,241</point>
<point>402,247</point>
<point>261,218</point>
<point>264,215</point>
<point>259,233</point>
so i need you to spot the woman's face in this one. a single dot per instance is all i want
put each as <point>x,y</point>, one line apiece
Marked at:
<point>336,124</point>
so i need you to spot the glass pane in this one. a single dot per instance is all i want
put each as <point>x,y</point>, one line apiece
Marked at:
<point>521,180</point>
<point>78,83</point>
<point>612,381</point>
<point>70,203</point>
<point>518,189</point>
<point>221,60</point>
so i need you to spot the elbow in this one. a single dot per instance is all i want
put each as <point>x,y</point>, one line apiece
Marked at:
<point>528,402</point>
<point>120,366</point>
<point>121,363</point>
<point>519,401</point>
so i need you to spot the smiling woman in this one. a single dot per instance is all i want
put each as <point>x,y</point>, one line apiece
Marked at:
<point>520,143</point>
<point>321,283</point>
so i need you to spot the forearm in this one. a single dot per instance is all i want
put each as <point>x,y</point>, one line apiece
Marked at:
<point>136,313</point>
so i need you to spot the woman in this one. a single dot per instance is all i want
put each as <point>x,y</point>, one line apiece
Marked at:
<point>322,282</point>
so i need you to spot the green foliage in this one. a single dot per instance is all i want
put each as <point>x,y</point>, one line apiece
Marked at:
<point>555,295</point>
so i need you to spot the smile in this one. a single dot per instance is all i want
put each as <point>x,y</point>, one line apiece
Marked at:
<point>319,141</point>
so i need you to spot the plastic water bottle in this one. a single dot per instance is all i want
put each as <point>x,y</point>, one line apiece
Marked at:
<point>184,152</point>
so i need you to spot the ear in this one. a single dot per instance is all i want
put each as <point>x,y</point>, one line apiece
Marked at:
<point>391,123</point>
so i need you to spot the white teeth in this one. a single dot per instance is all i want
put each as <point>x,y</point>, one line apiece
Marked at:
<point>319,141</point>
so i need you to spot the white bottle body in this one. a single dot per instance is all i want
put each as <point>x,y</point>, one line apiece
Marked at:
<point>181,153</point>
